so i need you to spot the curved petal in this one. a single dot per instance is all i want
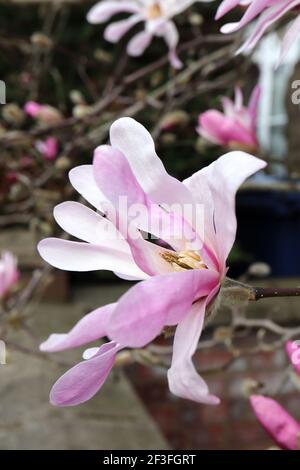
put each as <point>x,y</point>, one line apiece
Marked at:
<point>267,18</point>
<point>85,224</point>
<point>223,178</point>
<point>83,381</point>
<point>90,328</point>
<point>76,256</point>
<point>139,43</point>
<point>276,421</point>
<point>147,307</point>
<point>289,38</point>
<point>293,351</point>
<point>136,143</point>
<point>115,31</point>
<point>225,7</point>
<point>171,36</point>
<point>82,179</point>
<point>116,180</point>
<point>184,381</point>
<point>103,11</point>
<point>253,10</point>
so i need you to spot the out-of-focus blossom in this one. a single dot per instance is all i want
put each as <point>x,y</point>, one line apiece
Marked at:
<point>9,274</point>
<point>178,283</point>
<point>268,12</point>
<point>48,148</point>
<point>293,351</point>
<point>278,423</point>
<point>236,126</point>
<point>157,16</point>
<point>173,120</point>
<point>43,113</point>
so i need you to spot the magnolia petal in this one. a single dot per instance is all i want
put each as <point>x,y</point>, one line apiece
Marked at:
<point>223,178</point>
<point>139,43</point>
<point>82,179</point>
<point>276,421</point>
<point>103,11</point>
<point>136,143</point>
<point>83,381</point>
<point>253,10</point>
<point>90,328</point>
<point>115,31</point>
<point>289,38</point>
<point>266,19</point>
<point>85,224</point>
<point>184,381</point>
<point>143,311</point>
<point>76,256</point>
<point>115,178</point>
<point>293,351</point>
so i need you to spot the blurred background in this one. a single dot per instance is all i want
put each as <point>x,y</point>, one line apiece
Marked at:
<point>50,54</point>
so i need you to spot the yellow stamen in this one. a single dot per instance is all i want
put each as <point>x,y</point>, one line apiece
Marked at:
<point>154,11</point>
<point>183,260</point>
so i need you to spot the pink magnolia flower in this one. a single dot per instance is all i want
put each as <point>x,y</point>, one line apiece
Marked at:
<point>9,274</point>
<point>48,148</point>
<point>178,283</point>
<point>293,351</point>
<point>45,114</point>
<point>236,126</point>
<point>276,421</point>
<point>157,16</point>
<point>268,12</point>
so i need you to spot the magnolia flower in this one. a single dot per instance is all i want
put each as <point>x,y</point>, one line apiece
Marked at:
<point>268,11</point>
<point>48,148</point>
<point>293,351</point>
<point>179,281</point>
<point>236,126</point>
<point>43,113</point>
<point>157,16</point>
<point>276,421</point>
<point>9,274</point>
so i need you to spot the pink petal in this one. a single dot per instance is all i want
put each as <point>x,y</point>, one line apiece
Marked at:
<point>90,328</point>
<point>184,381</point>
<point>32,108</point>
<point>225,7</point>
<point>83,381</point>
<point>139,43</point>
<point>76,256</point>
<point>171,36</point>
<point>115,179</point>
<point>290,37</point>
<point>277,422</point>
<point>267,18</point>
<point>85,224</point>
<point>143,311</point>
<point>115,31</point>
<point>293,351</point>
<point>223,177</point>
<point>82,179</point>
<point>136,143</point>
<point>254,9</point>
<point>103,11</point>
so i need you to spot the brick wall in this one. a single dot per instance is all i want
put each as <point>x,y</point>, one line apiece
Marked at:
<point>231,425</point>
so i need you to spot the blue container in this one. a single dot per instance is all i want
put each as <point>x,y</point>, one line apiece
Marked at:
<point>269,228</point>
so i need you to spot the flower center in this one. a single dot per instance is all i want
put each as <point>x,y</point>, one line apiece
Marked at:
<point>154,11</point>
<point>183,260</point>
